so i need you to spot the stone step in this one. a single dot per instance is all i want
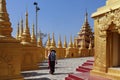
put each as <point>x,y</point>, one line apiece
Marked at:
<point>114,70</point>
<point>90,61</point>
<point>97,78</point>
<point>79,76</point>
<point>69,78</point>
<point>84,76</point>
<point>82,70</point>
<point>87,63</point>
<point>89,67</point>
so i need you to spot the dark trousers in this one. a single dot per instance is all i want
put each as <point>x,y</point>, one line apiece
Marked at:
<point>52,66</point>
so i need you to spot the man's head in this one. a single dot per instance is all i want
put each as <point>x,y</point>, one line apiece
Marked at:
<point>53,51</point>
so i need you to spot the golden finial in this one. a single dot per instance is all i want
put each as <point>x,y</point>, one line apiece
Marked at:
<point>33,38</point>
<point>86,16</point>
<point>40,44</point>
<point>21,29</point>
<point>21,25</point>
<point>65,42</point>
<point>59,42</point>
<point>70,43</point>
<point>17,35</point>
<point>26,39</point>
<point>53,44</point>
<point>26,24</point>
<point>48,42</point>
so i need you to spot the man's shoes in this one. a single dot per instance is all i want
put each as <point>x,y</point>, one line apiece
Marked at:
<point>52,73</point>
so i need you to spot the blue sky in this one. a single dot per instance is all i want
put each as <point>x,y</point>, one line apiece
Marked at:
<point>63,17</point>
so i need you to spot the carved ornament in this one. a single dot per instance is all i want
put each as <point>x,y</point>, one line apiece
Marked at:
<point>109,18</point>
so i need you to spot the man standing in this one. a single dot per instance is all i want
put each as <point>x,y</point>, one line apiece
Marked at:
<point>52,61</point>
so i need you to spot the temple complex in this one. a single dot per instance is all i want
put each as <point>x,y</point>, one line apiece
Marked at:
<point>24,52</point>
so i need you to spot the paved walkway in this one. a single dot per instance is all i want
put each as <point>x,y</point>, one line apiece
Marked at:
<point>63,68</point>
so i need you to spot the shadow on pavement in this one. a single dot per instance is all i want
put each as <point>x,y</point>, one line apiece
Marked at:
<point>33,74</point>
<point>44,67</point>
<point>44,78</point>
<point>59,73</point>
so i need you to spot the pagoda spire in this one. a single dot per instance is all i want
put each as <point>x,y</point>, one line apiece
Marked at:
<point>84,31</point>
<point>48,42</point>
<point>70,43</point>
<point>59,42</point>
<point>26,25</point>
<point>17,35</point>
<point>21,26</point>
<point>53,44</point>
<point>5,25</point>
<point>21,29</point>
<point>86,16</point>
<point>40,44</point>
<point>26,34</point>
<point>65,42</point>
<point>33,38</point>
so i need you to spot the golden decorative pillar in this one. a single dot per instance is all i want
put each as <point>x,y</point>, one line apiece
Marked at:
<point>40,44</point>
<point>91,50</point>
<point>26,34</point>
<point>59,42</point>
<point>41,47</point>
<point>17,35</point>
<point>65,42</point>
<point>33,38</point>
<point>48,44</point>
<point>60,50</point>
<point>53,44</point>
<point>70,50</point>
<point>90,44</point>
<point>74,43</point>
<point>64,46</point>
<point>21,30</point>
<point>83,44</point>
<point>75,48</point>
<point>70,43</point>
<point>10,54</point>
<point>83,51</point>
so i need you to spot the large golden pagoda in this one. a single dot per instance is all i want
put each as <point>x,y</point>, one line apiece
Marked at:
<point>85,32</point>
<point>10,48</point>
